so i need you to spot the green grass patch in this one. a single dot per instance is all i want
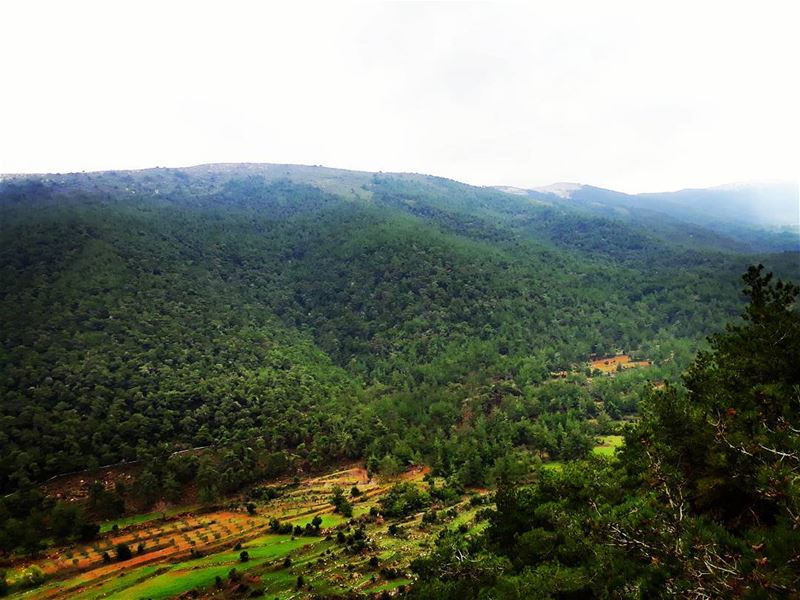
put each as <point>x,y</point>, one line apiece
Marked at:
<point>607,445</point>
<point>328,520</point>
<point>553,465</point>
<point>260,549</point>
<point>174,583</point>
<point>276,582</point>
<point>389,585</point>
<point>128,521</point>
<point>110,589</point>
<point>464,516</point>
<point>198,572</point>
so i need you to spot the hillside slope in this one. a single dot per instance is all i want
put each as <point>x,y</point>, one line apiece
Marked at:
<point>334,314</point>
<point>742,217</point>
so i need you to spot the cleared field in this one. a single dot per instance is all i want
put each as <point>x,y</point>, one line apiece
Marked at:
<point>178,553</point>
<point>612,363</point>
<point>150,542</point>
<point>608,444</point>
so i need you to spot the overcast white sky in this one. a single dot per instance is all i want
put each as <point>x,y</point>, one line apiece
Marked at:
<point>635,96</point>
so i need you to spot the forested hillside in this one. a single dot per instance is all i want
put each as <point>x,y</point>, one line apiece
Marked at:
<point>741,217</point>
<point>701,502</point>
<point>296,316</point>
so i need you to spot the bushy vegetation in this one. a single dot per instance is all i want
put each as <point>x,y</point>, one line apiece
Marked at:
<point>403,500</point>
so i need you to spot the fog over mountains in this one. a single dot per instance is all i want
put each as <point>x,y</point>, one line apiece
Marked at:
<point>768,204</point>
<point>758,215</point>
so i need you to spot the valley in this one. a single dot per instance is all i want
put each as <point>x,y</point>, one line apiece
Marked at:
<point>300,382</point>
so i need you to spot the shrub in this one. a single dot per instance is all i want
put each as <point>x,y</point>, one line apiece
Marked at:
<point>31,577</point>
<point>404,499</point>
<point>390,573</point>
<point>430,517</point>
<point>123,552</point>
<point>88,531</point>
<point>277,527</point>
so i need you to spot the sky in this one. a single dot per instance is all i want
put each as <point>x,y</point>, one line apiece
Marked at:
<point>634,96</point>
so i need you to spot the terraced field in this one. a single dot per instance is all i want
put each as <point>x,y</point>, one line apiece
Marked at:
<point>197,551</point>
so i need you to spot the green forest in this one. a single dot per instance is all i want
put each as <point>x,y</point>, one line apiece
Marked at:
<point>289,319</point>
<point>703,501</point>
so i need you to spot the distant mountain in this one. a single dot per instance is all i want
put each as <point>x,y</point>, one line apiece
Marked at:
<point>760,204</point>
<point>745,216</point>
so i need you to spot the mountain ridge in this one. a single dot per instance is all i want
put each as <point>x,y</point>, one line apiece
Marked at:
<point>669,216</point>
<point>759,216</point>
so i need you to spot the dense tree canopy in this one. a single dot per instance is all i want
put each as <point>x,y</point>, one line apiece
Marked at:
<point>701,503</point>
<point>296,317</point>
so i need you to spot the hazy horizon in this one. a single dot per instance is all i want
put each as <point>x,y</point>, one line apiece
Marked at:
<point>622,96</point>
<point>543,187</point>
